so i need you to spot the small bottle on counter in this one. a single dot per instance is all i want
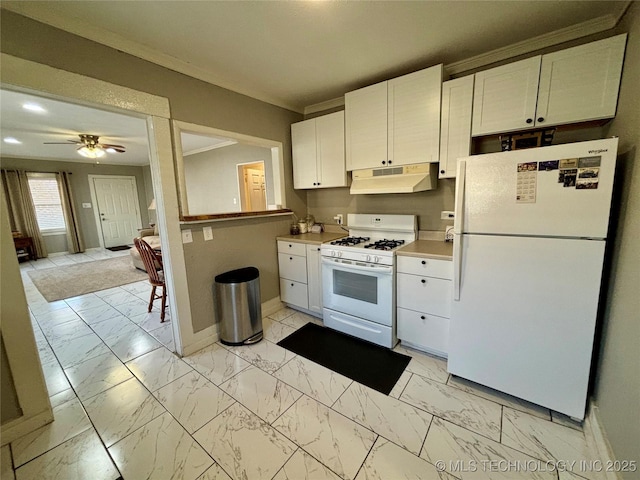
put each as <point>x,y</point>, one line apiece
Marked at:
<point>294,229</point>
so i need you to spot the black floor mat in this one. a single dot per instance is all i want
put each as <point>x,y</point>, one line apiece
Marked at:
<point>119,247</point>
<point>374,366</point>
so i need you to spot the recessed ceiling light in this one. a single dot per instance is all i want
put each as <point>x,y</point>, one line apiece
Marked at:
<point>33,107</point>
<point>12,140</point>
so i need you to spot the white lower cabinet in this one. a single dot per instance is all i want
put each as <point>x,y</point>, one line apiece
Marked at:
<point>300,275</point>
<point>424,303</point>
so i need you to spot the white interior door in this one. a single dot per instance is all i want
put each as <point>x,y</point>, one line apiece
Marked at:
<point>117,205</point>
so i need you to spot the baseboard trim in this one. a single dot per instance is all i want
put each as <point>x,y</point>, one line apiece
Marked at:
<point>271,306</point>
<point>598,444</point>
<point>21,426</point>
<point>268,307</point>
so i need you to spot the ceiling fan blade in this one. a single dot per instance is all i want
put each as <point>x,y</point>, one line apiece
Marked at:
<point>111,145</point>
<point>68,142</point>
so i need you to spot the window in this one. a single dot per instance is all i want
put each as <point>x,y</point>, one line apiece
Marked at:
<point>47,202</point>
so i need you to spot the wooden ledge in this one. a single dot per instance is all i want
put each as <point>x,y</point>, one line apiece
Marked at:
<point>231,216</point>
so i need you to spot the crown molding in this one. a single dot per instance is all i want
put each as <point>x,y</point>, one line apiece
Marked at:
<point>326,105</point>
<point>211,147</point>
<point>550,39</point>
<point>105,37</point>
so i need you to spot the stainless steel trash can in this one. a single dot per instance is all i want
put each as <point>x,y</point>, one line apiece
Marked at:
<point>238,308</point>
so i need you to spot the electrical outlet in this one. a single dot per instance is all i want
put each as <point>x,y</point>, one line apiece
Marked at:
<point>447,215</point>
<point>187,237</point>
<point>208,233</point>
<point>339,219</point>
<point>448,234</point>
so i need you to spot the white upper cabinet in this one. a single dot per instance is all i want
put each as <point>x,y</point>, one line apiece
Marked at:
<point>318,152</point>
<point>396,122</point>
<point>455,123</point>
<point>580,83</point>
<point>505,97</point>
<point>573,85</point>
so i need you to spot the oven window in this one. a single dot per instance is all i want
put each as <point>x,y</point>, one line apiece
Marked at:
<point>355,285</point>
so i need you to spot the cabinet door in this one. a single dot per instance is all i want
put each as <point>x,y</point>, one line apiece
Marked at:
<point>330,150</point>
<point>581,83</point>
<point>314,278</point>
<point>424,294</point>
<point>504,98</point>
<point>455,125</point>
<point>294,293</point>
<point>366,127</point>
<point>421,330</point>
<point>293,267</point>
<point>414,117</point>
<point>303,146</point>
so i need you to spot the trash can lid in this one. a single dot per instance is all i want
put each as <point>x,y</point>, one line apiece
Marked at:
<point>240,275</point>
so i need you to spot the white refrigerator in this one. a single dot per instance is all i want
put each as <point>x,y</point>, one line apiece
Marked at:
<point>529,242</point>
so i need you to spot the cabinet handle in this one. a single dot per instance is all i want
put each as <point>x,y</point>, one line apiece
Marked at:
<point>314,183</point>
<point>290,245</point>
<point>423,281</point>
<point>422,317</point>
<point>290,258</point>
<point>292,284</point>
<point>384,162</point>
<point>318,183</point>
<point>389,162</point>
<point>318,249</point>
<point>541,119</point>
<point>442,172</point>
<point>424,262</point>
<point>529,120</point>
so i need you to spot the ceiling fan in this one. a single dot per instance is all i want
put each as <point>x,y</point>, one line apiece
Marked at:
<point>90,146</point>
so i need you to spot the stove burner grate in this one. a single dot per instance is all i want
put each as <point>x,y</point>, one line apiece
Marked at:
<point>350,241</point>
<point>385,244</point>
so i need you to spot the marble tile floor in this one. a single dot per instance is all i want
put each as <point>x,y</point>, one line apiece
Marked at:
<point>259,412</point>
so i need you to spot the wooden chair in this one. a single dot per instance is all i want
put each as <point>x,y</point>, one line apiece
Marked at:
<point>152,261</point>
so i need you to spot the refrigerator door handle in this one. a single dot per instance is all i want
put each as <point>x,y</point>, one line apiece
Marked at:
<point>457,265</point>
<point>458,219</point>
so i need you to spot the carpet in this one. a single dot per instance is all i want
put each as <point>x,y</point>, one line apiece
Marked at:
<point>366,363</point>
<point>72,280</point>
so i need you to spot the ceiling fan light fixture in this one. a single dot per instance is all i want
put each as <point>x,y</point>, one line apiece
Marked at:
<point>91,151</point>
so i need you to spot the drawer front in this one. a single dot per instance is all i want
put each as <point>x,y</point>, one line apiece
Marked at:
<point>423,330</point>
<point>426,266</point>
<point>424,294</point>
<point>293,248</point>
<point>293,267</point>
<point>294,293</point>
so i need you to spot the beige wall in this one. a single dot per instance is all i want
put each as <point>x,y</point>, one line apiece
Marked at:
<point>192,101</point>
<point>9,401</point>
<point>617,392</point>
<point>81,190</point>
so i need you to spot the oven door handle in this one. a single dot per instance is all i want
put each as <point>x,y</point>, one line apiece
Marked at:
<point>385,269</point>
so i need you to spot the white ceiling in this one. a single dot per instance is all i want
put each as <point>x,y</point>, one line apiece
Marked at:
<point>293,54</point>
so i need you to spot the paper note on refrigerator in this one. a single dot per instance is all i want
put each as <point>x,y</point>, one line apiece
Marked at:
<point>527,182</point>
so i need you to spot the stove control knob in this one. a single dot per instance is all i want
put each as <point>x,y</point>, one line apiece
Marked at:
<point>333,253</point>
<point>368,258</point>
<point>339,254</point>
<point>376,259</point>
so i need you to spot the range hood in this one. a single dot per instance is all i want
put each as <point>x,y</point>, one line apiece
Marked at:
<point>404,179</point>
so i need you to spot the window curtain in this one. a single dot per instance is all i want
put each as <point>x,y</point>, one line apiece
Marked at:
<point>22,213</point>
<point>75,244</point>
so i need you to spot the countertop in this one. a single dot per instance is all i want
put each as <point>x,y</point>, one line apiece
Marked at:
<point>312,238</point>
<point>428,249</point>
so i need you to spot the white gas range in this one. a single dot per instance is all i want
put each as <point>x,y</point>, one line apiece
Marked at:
<point>359,276</point>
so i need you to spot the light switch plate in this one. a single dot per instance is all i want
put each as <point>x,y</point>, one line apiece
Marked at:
<point>208,233</point>
<point>187,237</point>
<point>86,205</point>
